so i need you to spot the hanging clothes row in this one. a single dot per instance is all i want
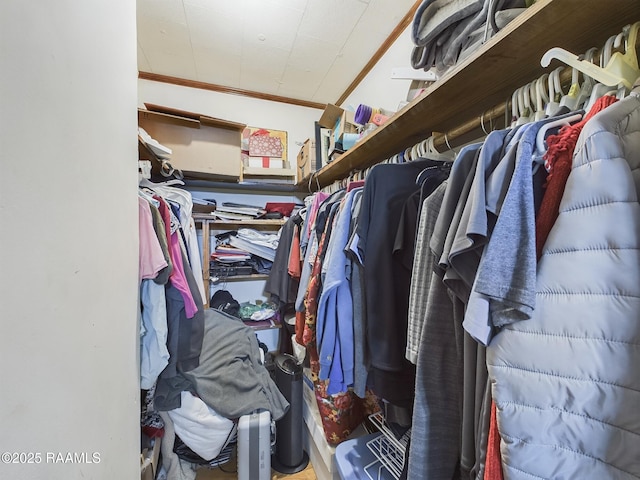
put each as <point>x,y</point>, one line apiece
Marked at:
<point>423,149</point>
<point>501,211</point>
<point>525,262</point>
<point>496,297</point>
<point>171,286</point>
<point>348,316</point>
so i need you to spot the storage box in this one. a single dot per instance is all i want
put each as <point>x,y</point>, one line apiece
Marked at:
<point>307,159</point>
<point>346,125</point>
<point>203,147</point>
<point>265,142</point>
<point>338,119</point>
<point>330,116</point>
<point>263,162</point>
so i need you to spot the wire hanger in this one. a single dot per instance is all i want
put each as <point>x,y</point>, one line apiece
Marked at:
<point>484,129</point>
<point>446,140</point>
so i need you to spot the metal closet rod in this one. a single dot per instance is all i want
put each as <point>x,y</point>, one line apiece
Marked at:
<point>484,121</point>
<point>482,124</point>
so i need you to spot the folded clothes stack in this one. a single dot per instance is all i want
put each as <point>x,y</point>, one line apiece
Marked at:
<point>228,254</point>
<point>261,244</point>
<point>447,31</point>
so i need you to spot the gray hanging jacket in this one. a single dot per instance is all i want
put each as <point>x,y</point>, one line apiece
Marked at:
<point>566,383</point>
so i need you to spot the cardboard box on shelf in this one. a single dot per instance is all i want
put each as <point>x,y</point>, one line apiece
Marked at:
<point>307,159</point>
<point>204,147</point>
<point>330,116</point>
<point>338,119</point>
<point>265,142</point>
<point>346,125</point>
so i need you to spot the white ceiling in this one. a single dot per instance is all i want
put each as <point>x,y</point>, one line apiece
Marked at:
<point>304,49</point>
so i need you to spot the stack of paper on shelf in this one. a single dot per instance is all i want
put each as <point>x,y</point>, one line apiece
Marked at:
<point>238,212</point>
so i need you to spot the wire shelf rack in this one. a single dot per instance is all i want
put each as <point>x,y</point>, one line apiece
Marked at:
<point>388,449</point>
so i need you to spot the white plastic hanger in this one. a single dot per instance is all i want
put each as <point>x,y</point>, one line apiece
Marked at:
<point>578,93</point>
<point>431,153</point>
<point>524,105</point>
<point>520,106</point>
<point>541,98</point>
<point>555,92</point>
<point>514,108</point>
<point>600,89</point>
<point>621,70</point>
<point>588,83</point>
<point>623,91</point>
<point>541,146</point>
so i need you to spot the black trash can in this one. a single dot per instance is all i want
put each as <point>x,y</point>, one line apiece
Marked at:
<point>289,456</point>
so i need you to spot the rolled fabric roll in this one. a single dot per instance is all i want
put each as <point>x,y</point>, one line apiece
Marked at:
<point>363,114</point>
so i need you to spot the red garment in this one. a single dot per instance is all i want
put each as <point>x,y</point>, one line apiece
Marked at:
<point>311,298</point>
<point>299,328</point>
<point>295,262</point>
<point>559,158</point>
<point>493,462</point>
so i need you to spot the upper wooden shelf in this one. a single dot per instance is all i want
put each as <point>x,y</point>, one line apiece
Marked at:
<point>195,117</point>
<point>489,76</point>
<point>239,278</point>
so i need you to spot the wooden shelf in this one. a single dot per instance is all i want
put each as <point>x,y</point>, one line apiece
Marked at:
<point>195,117</point>
<point>489,76</point>
<point>285,174</point>
<point>208,224</point>
<point>207,217</point>
<point>269,172</point>
<point>239,278</point>
<point>168,118</point>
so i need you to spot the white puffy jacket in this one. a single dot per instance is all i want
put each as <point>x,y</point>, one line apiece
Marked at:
<point>566,383</point>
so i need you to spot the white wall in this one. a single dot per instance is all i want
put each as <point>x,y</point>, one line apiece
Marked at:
<point>68,239</point>
<point>297,121</point>
<point>378,89</point>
